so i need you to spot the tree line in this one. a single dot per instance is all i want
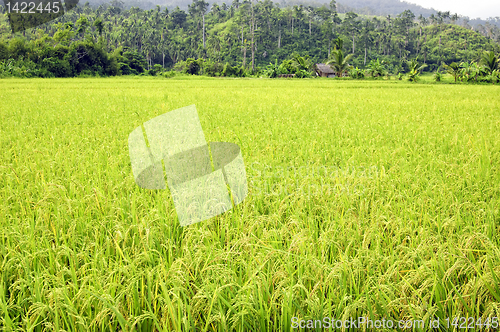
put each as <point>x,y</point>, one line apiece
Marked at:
<point>237,39</point>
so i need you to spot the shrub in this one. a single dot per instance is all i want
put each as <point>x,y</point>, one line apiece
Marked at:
<point>135,61</point>
<point>58,67</point>
<point>157,69</point>
<point>20,68</point>
<point>86,74</point>
<point>213,69</point>
<point>228,71</point>
<point>192,66</point>
<point>125,69</point>
<point>4,52</point>
<point>87,56</point>
<point>302,74</point>
<point>169,74</point>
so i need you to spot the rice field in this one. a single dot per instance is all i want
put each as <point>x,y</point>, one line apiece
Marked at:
<point>374,199</point>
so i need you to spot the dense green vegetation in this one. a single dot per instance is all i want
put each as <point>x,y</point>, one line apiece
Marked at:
<point>247,36</point>
<point>366,198</point>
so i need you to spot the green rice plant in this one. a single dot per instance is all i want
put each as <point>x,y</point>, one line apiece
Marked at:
<point>375,199</point>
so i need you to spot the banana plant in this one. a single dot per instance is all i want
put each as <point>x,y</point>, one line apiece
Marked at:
<point>414,70</point>
<point>272,69</point>
<point>301,63</point>
<point>376,68</point>
<point>466,71</point>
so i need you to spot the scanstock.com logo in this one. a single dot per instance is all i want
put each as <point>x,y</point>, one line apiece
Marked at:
<point>205,180</point>
<point>25,14</point>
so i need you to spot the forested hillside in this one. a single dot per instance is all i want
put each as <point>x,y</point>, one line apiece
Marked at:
<point>112,39</point>
<point>385,7</point>
<point>365,7</point>
<point>142,4</point>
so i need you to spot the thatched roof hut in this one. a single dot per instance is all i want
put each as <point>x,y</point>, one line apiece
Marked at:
<point>323,70</point>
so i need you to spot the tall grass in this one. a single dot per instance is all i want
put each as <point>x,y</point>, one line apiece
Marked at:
<point>83,248</point>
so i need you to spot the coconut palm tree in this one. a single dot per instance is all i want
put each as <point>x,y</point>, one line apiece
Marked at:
<point>454,69</point>
<point>490,61</point>
<point>338,43</point>
<point>338,60</point>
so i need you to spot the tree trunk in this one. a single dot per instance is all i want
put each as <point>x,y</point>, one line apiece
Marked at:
<point>253,44</point>
<point>425,51</point>
<point>244,56</point>
<point>309,27</point>
<point>364,63</point>
<point>203,30</point>
<point>353,43</point>
<point>389,45</point>
<point>440,57</point>
<point>279,38</point>
<point>418,46</point>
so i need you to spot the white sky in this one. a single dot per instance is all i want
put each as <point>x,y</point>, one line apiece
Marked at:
<point>473,9</point>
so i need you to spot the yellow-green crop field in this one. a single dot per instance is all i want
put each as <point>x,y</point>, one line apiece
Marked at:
<point>366,199</point>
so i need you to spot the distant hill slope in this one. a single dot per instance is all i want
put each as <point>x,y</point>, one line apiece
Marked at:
<point>143,4</point>
<point>369,7</point>
<point>386,7</point>
<point>366,7</point>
